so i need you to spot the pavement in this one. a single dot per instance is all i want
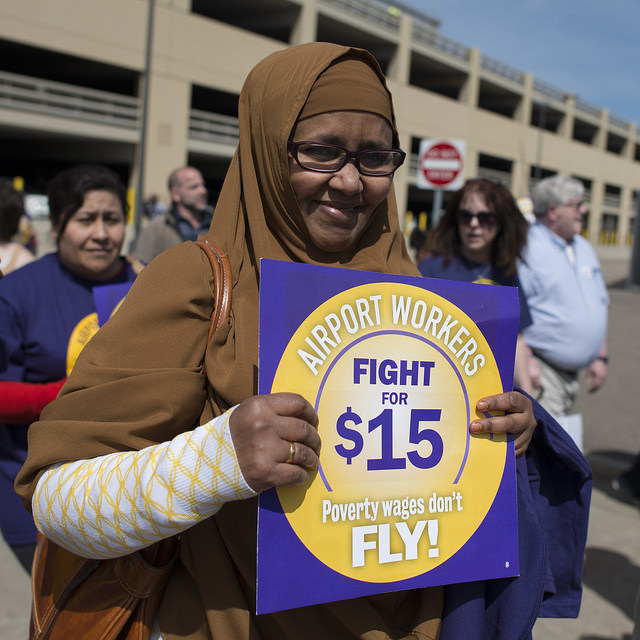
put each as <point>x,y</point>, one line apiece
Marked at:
<point>611,438</point>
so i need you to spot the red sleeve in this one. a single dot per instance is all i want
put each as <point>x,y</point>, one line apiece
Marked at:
<point>22,402</point>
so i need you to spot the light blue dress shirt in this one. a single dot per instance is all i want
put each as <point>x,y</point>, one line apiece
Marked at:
<point>568,302</point>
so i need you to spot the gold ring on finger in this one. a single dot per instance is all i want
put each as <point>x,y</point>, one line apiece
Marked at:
<point>292,452</point>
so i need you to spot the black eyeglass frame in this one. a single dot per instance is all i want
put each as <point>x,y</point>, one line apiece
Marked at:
<point>292,148</point>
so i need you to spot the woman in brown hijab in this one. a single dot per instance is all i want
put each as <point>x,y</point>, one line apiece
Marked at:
<point>292,193</point>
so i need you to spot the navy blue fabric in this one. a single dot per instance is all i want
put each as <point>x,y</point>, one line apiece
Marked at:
<point>40,306</point>
<point>554,492</point>
<point>561,481</point>
<point>185,228</point>
<point>465,270</point>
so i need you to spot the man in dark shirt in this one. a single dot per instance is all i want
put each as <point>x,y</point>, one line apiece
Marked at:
<point>189,216</point>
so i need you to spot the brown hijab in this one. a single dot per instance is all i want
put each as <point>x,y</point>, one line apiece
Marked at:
<point>140,382</point>
<point>257,214</point>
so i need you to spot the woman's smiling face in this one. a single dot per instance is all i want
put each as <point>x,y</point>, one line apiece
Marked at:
<point>336,207</point>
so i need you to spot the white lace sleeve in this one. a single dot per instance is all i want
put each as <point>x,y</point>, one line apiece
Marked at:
<point>114,504</point>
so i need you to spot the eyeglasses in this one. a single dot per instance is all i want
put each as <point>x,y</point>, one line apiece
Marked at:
<point>574,205</point>
<point>484,218</point>
<point>329,158</point>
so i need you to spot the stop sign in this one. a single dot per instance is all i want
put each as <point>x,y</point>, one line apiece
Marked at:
<point>441,164</point>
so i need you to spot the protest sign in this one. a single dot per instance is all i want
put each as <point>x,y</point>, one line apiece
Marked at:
<point>404,496</point>
<point>108,298</point>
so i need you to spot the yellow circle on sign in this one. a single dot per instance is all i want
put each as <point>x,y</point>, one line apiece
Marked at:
<point>81,334</point>
<point>394,372</point>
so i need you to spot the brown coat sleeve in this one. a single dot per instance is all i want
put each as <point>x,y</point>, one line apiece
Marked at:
<point>139,381</point>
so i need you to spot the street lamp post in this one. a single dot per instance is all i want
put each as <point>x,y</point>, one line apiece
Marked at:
<point>139,195</point>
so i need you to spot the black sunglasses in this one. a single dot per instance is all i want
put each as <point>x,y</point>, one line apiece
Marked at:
<point>484,218</point>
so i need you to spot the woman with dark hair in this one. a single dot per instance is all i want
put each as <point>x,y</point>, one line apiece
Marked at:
<point>480,239</point>
<point>47,314</point>
<point>12,254</point>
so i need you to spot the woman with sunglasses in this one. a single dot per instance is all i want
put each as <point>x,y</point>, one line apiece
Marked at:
<point>479,239</point>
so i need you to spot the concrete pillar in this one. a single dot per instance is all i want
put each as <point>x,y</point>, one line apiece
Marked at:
<point>600,141</point>
<point>401,181</point>
<point>180,5</point>
<point>520,177</point>
<point>566,126</point>
<point>625,215</point>
<point>306,26</point>
<point>471,162</point>
<point>471,90</point>
<point>400,65</point>
<point>523,112</point>
<point>595,211</point>
<point>167,132</point>
<point>523,164</point>
<point>630,147</point>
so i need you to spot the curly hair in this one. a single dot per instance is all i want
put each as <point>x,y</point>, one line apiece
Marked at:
<point>68,188</point>
<point>507,247</point>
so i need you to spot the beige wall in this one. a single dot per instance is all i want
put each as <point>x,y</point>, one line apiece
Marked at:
<point>106,31</point>
<point>188,48</point>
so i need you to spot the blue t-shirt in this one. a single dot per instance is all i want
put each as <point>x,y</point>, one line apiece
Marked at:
<point>464,270</point>
<point>47,314</point>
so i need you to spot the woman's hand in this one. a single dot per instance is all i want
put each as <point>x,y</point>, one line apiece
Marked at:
<point>518,418</point>
<point>266,430</point>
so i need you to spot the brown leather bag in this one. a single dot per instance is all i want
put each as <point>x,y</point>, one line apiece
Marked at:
<point>115,599</point>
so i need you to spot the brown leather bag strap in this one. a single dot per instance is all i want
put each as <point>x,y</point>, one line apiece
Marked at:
<point>221,284</point>
<point>115,599</point>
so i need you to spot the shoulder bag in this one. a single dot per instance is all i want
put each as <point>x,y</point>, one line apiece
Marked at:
<point>115,599</point>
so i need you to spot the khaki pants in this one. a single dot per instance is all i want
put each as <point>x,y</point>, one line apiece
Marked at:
<point>559,389</point>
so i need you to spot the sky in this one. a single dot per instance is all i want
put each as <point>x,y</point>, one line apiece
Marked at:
<point>587,47</point>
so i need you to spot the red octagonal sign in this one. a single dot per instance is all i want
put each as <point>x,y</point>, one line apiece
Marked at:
<point>441,164</point>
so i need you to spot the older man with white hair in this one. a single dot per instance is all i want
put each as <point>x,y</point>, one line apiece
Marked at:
<point>567,297</point>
